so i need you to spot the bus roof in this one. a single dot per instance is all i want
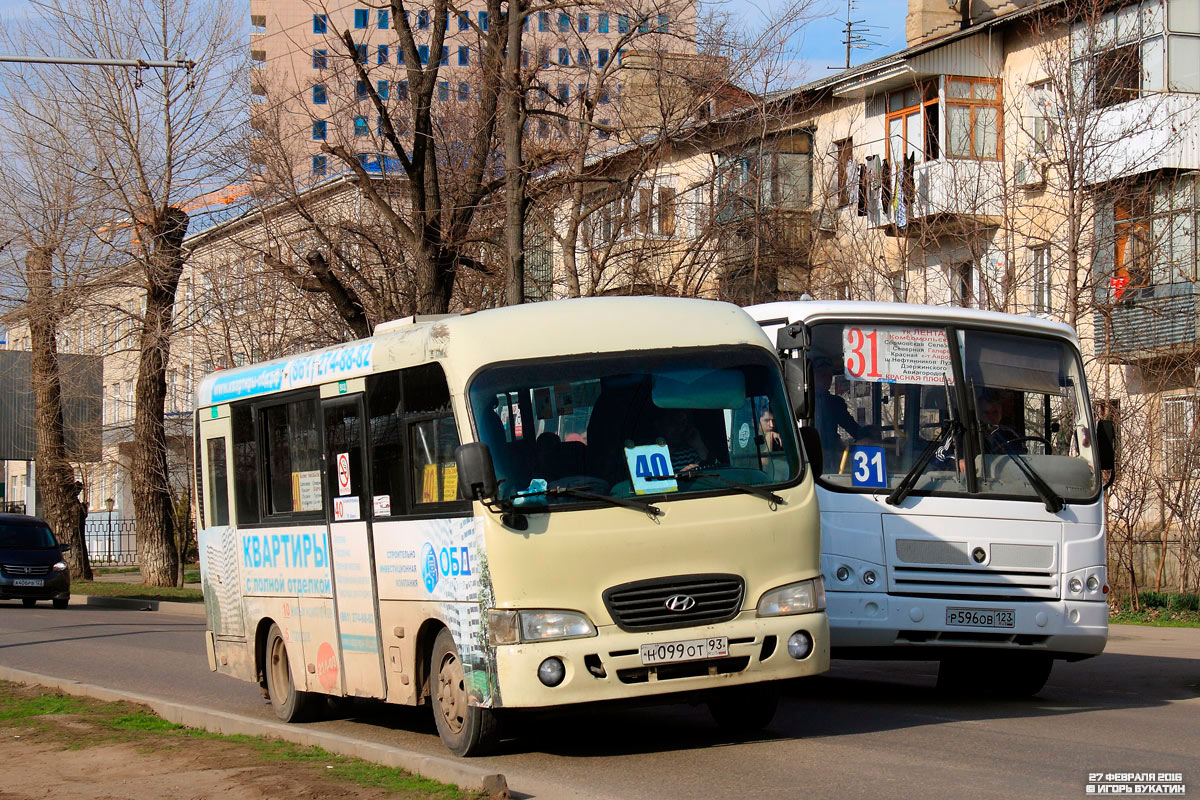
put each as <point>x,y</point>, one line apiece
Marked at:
<point>816,310</point>
<point>469,341</point>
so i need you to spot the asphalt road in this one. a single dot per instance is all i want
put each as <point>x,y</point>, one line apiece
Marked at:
<point>864,730</point>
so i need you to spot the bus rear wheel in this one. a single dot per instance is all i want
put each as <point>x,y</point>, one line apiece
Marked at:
<point>744,710</point>
<point>288,703</point>
<point>466,730</point>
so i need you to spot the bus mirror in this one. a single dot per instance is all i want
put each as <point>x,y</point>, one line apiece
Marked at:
<point>791,337</point>
<point>795,377</point>
<point>812,448</point>
<point>1106,443</point>
<point>476,471</point>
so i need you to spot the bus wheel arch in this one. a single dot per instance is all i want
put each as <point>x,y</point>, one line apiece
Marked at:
<point>423,651</point>
<point>465,729</point>
<point>260,652</point>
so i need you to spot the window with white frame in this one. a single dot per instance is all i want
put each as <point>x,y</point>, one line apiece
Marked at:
<point>1040,264</point>
<point>1179,435</point>
<point>898,282</point>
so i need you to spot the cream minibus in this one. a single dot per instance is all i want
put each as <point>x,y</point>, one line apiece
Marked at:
<point>519,508</point>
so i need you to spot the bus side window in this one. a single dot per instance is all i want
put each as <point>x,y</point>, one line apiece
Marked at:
<point>432,435</point>
<point>218,482</point>
<point>245,464</point>
<point>386,444</point>
<point>292,439</point>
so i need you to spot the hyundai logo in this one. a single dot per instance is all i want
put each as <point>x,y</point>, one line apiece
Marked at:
<point>680,602</point>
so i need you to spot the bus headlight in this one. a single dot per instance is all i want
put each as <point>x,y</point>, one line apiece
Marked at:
<point>795,598</point>
<point>540,625</point>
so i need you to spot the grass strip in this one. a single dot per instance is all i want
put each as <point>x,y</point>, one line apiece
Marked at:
<point>137,591</point>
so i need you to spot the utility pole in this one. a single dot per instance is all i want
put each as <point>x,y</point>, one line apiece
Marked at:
<point>859,35</point>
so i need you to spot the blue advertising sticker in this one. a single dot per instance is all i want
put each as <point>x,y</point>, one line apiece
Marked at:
<point>868,467</point>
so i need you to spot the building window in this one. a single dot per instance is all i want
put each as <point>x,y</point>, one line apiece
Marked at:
<point>360,126</point>
<point>320,23</point>
<point>383,19</point>
<point>445,56</point>
<point>1154,230</point>
<point>583,58</point>
<point>483,20</point>
<point>972,118</point>
<point>961,278</point>
<point>564,93</point>
<point>423,20</point>
<point>582,22</point>
<point>382,55</point>
<point>644,25</point>
<point>1179,430</point>
<point>898,282</point>
<point>543,21</point>
<point>464,22</point>
<point>381,88</point>
<point>319,95</point>
<point>564,57</point>
<point>423,53</point>
<point>320,58</point>
<point>564,22</point>
<point>443,90</point>
<point>464,92</point>
<point>318,129</point>
<point>318,165</point>
<point>622,23</point>
<point>663,23</point>
<point>360,18</point>
<point>845,159</point>
<point>464,55</point>
<point>912,124</point>
<point>402,91</point>
<point>360,51</point>
<point>360,90</point>
<point>602,57</point>
<point>602,23</point>
<point>1041,278</point>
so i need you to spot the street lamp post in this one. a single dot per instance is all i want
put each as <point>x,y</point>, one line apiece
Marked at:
<point>108,504</point>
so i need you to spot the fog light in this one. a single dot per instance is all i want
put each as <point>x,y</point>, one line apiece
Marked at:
<point>552,671</point>
<point>1075,585</point>
<point>843,573</point>
<point>1093,583</point>
<point>800,645</point>
<point>869,578</point>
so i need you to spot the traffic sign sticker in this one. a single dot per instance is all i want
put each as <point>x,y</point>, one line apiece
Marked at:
<point>343,473</point>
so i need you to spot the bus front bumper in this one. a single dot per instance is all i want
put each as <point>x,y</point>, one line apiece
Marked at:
<point>862,621</point>
<point>609,667</point>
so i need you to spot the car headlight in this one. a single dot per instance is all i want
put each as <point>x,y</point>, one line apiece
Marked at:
<point>539,625</point>
<point>60,566</point>
<point>795,598</point>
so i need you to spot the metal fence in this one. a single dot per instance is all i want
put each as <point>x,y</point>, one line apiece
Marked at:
<point>111,541</point>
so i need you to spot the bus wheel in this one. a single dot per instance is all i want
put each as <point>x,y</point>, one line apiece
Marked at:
<point>289,704</point>
<point>466,730</point>
<point>744,710</point>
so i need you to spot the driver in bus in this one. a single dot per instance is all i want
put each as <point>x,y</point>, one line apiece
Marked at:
<point>832,414</point>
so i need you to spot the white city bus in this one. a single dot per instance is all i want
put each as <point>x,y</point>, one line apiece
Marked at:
<point>519,508</point>
<point>960,488</point>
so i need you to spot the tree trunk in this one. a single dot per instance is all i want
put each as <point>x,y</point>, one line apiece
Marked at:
<point>55,476</point>
<point>515,203</point>
<point>158,555</point>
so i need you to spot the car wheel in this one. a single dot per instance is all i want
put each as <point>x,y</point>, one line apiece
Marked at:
<point>744,710</point>
<point>61,602</point>
<point>466,730</point>
<point>289,704</point>
<point>28,602</point>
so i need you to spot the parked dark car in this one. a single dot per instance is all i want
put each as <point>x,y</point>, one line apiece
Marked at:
<point>31,562</point>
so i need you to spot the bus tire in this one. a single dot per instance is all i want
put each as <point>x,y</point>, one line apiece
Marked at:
<point>466,730</point>
<point>288,703</point>
<point>744,710</point>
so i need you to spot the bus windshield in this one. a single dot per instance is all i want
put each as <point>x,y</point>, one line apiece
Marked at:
<point>888,407</point>
<point>658,424</point>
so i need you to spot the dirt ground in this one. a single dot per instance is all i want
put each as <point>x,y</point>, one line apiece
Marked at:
<point>58,746</point>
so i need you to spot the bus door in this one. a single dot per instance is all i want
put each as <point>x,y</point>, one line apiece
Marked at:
<point>218,544</point>
<point>349,510</point>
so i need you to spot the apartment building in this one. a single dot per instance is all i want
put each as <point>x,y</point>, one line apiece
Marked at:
<point>307,91</point>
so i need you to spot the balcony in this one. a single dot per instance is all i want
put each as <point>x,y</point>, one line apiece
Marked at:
<point>949,194</point>
<point>1149,323</point>
<point>1147,134</point>
<point>777,236</point>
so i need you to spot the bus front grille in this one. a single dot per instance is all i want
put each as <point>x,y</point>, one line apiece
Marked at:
<point>983,583</point>
<point>681,601</point>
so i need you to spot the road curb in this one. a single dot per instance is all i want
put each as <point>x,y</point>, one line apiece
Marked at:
<point>446,770</point>
<point>134,604</point>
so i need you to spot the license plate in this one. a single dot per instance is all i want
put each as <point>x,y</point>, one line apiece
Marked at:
<point>981,617</point>
<point>28,582</point>
<point>689,650</point>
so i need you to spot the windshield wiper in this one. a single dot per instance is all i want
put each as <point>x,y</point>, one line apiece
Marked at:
<point>910,478</point>
<point>765,494</point>
<point>570,491</point>
<point>1054,502</point>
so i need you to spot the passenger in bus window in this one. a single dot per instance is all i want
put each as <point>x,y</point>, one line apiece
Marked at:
<point>687,447</point>
<point>832,414</point>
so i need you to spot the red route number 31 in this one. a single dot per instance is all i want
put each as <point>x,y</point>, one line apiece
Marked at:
<point>862,353</point>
